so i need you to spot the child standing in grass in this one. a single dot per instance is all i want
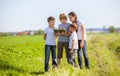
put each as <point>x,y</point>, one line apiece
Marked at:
<point>73,44</point>
<point>50,38</point>
<point>63,40</point>
<point>81,32</point>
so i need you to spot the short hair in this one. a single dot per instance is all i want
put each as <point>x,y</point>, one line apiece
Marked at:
<point>62,16</point>
<point>50,18</point>
<point>74,26</point>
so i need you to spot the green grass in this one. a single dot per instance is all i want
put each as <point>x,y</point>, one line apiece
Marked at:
<point>24,56</point>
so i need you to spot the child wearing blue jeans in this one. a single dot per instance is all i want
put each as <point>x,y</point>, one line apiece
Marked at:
<point>82,46</point>
<point>73,44</point>
<point>50,46</point>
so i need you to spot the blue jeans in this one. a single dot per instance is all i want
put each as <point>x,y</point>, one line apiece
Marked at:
<point>85,54</point>
<point>49,48</point>
<point>71,58</point>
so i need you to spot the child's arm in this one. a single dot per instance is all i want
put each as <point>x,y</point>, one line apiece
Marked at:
<point>73,45</point>
<point>45,36</point>
<point>82,41</point>
<point>62,33</point>
<point>66,34</point>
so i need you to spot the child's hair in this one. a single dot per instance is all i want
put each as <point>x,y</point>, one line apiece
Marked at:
<point>62,16</point>
<point>50,18</point>
<point>73,14</point>
<point>74,26</point>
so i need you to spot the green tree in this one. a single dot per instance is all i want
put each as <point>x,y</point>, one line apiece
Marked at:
<point>40,31</point>
<point>111,29</point>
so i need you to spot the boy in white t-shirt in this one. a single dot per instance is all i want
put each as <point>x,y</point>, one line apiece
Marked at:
<point>73,44</point>
<point>50,38</point>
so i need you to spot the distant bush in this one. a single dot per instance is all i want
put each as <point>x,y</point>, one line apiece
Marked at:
<point>2,34</point>
<point>111,29</point>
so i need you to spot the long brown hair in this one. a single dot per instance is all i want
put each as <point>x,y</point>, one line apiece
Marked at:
<point>73,14</point>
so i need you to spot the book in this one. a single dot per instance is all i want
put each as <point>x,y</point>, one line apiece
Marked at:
<point>59,30</point>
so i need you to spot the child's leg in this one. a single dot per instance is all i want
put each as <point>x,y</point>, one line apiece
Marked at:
<point>79,52</point>
<point>73,57</point>
<point>47,56</point>
<point>66,44</point>
<point>60,51</point>
<point>70,60</point>
<point>85,54</point>
<point>54,60</point>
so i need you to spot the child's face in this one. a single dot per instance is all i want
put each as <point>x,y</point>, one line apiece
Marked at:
<point>63,20</point>
<point>72,18</point>
<point>71,29</point>
<point>51,23</point>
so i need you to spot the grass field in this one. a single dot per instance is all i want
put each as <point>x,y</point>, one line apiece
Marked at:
<point>24,56</point>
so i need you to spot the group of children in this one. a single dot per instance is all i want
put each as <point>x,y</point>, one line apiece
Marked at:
<point>74,41</point>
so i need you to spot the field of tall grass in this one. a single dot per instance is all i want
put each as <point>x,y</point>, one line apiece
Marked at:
<point>24,56</point>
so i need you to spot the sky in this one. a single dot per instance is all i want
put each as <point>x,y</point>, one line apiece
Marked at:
<point>20,15</point>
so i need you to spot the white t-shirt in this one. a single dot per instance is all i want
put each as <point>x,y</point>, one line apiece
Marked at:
<point>79,32</point>
<point>73,36</point>
<point>50,36</point>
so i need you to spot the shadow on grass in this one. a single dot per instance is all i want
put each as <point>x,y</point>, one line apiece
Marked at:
<point>4,65</point>
<point>37,73</point>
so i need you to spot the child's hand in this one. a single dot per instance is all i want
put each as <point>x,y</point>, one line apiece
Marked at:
<point>82,44</point>
<point>62,33</point>
<point>68,33</point>
<point>71,51</point>
<point>56,34</point>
